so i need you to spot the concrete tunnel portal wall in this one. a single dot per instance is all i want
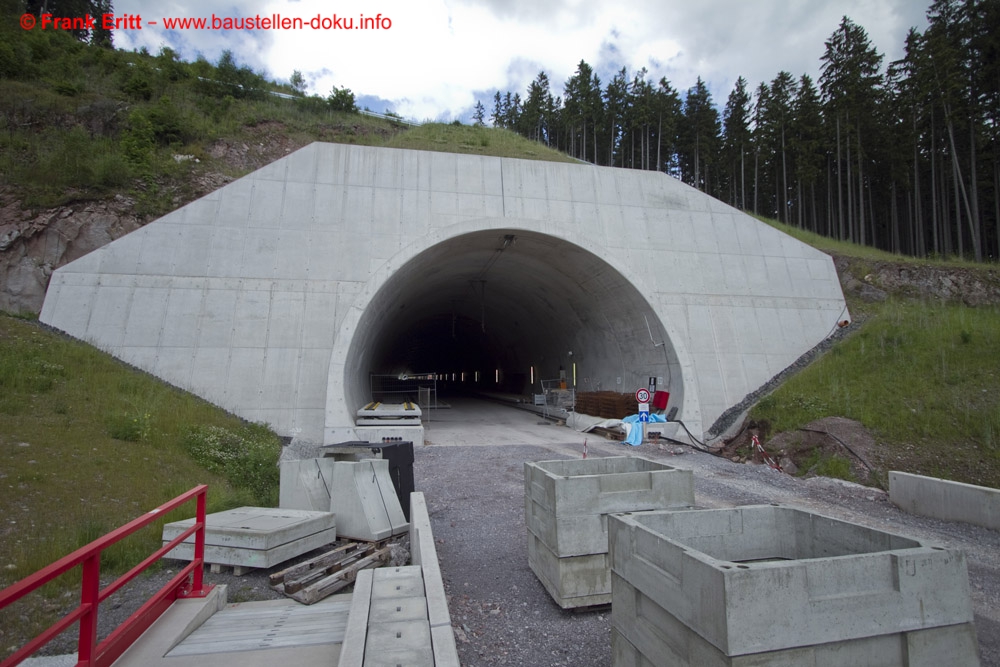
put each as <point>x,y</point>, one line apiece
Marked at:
<point>502,309</point>
<point>275,296</point>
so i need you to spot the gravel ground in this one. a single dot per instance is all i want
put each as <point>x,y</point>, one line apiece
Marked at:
<point>501,613</point>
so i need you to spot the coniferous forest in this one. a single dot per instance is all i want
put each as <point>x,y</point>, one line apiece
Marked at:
<point>903,156</point>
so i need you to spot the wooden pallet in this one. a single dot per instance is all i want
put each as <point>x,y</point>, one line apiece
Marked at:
<point>324,575</point>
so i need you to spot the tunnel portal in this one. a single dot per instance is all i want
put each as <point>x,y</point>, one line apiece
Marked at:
<point>278,296</point>
<point>503,309</point>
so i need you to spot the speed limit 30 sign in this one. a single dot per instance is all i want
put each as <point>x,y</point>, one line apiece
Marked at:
<point>642,396</point>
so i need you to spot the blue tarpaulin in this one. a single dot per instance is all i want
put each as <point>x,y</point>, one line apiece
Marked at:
<point>634,428</point>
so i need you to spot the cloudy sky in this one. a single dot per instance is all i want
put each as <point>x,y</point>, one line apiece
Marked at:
<point>438,57</point>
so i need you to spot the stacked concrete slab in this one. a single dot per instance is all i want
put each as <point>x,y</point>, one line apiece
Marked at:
<point>255,537</point>
<point>566,503</point>
<point>771,585</point>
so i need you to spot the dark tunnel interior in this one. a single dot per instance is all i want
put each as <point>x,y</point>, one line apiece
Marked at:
<point>503,310</point>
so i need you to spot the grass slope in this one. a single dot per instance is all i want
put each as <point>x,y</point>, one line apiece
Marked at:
<point>86,445</point>
<point>922,375</point>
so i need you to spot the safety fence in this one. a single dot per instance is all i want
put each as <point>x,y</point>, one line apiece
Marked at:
<point>188,583</point>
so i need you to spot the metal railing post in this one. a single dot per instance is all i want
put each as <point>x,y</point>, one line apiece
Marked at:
<point>197,587</point>
<point>90,589</point>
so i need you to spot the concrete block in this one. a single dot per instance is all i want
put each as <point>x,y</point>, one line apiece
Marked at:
<point>566,503</point>
<point>582,490</point>
<point>424,554</point>
<point>646,635</point>
<point>375,434</point>
<point>305,484</point>
<point>944,499</point>
<point>572,581</point>
<point>364,500</point>
<point>395,610</point>
<point>255,536</point>
<point>710,586</point>
<point>352,651</point>
<point>398,582</point>
<point>443,646</point>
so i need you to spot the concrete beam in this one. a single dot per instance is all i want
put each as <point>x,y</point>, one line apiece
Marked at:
<point>945,499</point>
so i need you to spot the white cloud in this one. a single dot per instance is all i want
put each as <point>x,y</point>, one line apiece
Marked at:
<point>436,55</point>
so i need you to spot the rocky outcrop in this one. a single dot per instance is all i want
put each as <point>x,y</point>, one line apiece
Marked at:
<point>34,243</point>
<point>876,280</point>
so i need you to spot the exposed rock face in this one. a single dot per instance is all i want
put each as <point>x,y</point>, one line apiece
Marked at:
<point>34,243</point>
<point>973,287</point>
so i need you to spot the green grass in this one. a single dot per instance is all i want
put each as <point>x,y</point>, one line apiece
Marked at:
<point>860,253</point>
<point>922,377</point>
<point>474,140</point>
<point>88,444</point>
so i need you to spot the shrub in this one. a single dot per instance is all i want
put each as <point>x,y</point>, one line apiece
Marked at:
<point>247,457</point>
<point>130,427</point>
<point>138,141</point>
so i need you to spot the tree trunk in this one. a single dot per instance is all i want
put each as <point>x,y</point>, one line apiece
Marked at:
<point>659,143</point>
<point>960,189</point>
<point>861,194</point>
<point>743,181</point>
<point>840,189</point>
<point>784,178</point>
<point>934,191</point>
<point>756,173</point>
<point>851,236</point>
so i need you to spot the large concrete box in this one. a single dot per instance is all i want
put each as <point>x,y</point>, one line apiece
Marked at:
<point>778,586</point>
<point>566,503</point>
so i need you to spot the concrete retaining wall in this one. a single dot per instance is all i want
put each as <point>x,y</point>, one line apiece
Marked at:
<point>944,499</point>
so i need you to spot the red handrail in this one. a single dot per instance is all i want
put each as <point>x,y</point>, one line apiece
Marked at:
<point>188,583</point>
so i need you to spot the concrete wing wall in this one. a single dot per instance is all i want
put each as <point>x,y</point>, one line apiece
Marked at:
<point>245,295</point>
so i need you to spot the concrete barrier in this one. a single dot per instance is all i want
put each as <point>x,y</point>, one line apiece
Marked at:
<point>773,585</point>
<point>944,499</point>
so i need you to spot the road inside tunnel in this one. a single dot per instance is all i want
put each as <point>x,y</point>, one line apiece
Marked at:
<point>502,311</point>
<point>476,421</point>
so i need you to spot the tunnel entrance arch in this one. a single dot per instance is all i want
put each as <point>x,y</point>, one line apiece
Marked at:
<point>500,309</point>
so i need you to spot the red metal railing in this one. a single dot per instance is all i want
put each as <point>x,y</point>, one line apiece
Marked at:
<point>188,583</point>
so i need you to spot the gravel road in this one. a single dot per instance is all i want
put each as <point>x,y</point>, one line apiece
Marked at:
<point>501,613</point>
